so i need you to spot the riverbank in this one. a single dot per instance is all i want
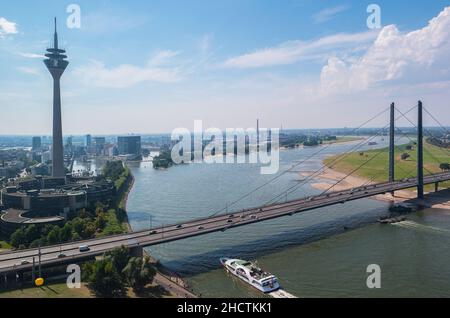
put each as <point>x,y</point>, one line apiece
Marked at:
<point>164,278</point>
<point>330,176</point>
<point>374,164</point>
<point>123,201</point>
<point>340,140</point>
<point>343,140</point>
<point>338,167</point>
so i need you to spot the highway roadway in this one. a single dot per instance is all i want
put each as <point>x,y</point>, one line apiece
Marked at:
<point>69,253</point>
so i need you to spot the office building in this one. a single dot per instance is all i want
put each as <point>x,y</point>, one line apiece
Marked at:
<point>36,144</point>
<point>129,145</point>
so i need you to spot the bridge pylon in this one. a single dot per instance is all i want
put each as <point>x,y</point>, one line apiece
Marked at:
<point>420,152</point>
<point>392,146</point>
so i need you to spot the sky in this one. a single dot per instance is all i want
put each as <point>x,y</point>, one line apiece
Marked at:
<point>151,66</point>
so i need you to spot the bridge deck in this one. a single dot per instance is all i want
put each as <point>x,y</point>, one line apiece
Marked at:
<point>22,260</point>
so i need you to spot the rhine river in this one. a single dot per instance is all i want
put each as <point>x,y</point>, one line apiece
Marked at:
<point>321,253</point>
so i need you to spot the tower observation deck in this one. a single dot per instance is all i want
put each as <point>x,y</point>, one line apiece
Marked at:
<point>56,63</point>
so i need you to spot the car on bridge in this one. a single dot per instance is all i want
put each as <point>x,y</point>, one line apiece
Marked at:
<point>84,248</point>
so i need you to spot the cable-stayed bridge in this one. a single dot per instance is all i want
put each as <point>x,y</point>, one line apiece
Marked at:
<point>222,220</point>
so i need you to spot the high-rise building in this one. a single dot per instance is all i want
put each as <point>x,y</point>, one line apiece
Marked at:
<point>129,145</point>
<point>37,143</point>
<point>88,140</point>
<point>56,65</point>
<point>99,144</point>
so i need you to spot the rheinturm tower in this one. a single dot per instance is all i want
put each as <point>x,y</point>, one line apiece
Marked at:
<point>57,64</point>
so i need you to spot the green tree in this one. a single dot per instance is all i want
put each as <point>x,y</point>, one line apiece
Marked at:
<point>100,221</point>
<point>113,170</point>
<point>78,226</point>
<point>119,257</point>
<point>139,272</point>
<point>18,238</point>
<point>88,230</point>
<point>38,242</point>
<point>104,279</point>
<point>32,233</point>
<point>54,236</point>
<point>66,233</point>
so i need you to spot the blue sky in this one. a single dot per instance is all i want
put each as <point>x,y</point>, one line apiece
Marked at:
<point>152,66</point>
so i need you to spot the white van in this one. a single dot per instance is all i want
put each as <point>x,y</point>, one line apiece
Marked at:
<point>84,248</point>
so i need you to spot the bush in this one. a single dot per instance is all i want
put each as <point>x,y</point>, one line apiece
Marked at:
<point>405,156</point>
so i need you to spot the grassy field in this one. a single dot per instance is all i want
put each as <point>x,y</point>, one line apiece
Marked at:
<point>52,290</point>
<point>377,168</point>
<point>4,246</point>
<point>60,290</point>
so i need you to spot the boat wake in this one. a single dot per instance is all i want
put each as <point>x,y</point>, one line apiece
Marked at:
<point>280,293</point>
<point>420,227</point>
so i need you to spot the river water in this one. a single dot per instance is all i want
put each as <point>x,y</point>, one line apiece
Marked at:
<point>321,253</point>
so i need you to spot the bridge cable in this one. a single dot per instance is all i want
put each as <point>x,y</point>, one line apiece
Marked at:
<point>437,121</point>
<point>424,148</point>
<point>407,173</point>
<point>293,166</point>
<point>336,160</point>
<point>361,167</point>
<point>322,169</point>
<point>426,131</point>
<point>443,128</point>
<point>381,151</point>
<point>339,158</point>
<point>411,140</point>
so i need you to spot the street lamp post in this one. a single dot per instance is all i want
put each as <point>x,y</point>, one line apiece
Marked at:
<point>39,262</point>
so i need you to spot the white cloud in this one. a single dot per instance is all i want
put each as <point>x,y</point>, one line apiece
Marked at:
<point>329,13</point>
<point>295,51</point>
<point>126,75</point>
<point>418,56</point>
<point>162,57</point>
<point>7,27</point>
<point>32,55</point>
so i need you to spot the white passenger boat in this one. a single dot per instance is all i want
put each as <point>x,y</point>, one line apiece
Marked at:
<point>251,274</point>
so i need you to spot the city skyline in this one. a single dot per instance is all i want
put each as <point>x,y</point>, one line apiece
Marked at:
<point>290,71</point>
<point>226,149</point>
